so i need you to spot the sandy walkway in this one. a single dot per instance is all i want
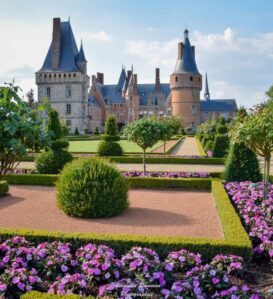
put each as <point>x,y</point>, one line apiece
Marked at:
<point>161,213</point>
<point>169,144</point>
<point>187,148</point>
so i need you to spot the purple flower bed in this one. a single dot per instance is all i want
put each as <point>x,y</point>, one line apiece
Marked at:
<point>96,270</point>
<point>168,174</point>
<point>256,214</point>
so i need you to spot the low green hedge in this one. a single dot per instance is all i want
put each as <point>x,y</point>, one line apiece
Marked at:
<point>38,295</point>
<point>200,148</point>
<point>169,160</point>
<point>235,240</point>
<point>4,188</point>
<point>134,182</point>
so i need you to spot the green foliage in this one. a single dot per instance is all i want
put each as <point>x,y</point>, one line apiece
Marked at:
<point>209,145</point>
<point>59,144</point>
<point>54,124</point>
<point>21,129</point>
<point>220,146</point>
<point>256,132</point>
<point>221,120</point>
<point>200,148</point>
<point>236,240</point>
<point>221,129</point>
<point>4,188</point>
<point>242,164</point>
<point>76,131</point>
<point>39,295</point>
<point>32,179</point>
<point>145,133</point>
<point>109,148</point>
<point>53,161</point>
<point>111,130</point>
<point>96,131</point>
<point>65,128</point>
<point>92,188</point>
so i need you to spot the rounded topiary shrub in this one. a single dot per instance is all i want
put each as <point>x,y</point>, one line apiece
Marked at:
<point>220,146</point>
<point>221,129</point>
<point>53,161</point>
<point>92,188</point>
<point>242,164</point>
<point>109,148</point>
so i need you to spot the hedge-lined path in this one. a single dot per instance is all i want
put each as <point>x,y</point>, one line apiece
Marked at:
<point>152,167</point>
<point>187,148</point>
<point>169,144</point>
<point>151,212</point>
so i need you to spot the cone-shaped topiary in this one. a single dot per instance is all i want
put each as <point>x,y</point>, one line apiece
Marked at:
<point>242,164</point>
<point>111,130</point>
<point>54,124</point>
<point>220,146</point>
<point>92,188</point>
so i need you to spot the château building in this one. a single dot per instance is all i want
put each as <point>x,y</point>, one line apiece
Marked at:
<point>85,105</point>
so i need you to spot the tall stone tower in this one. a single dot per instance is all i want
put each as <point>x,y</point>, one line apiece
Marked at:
<point>63,77</point>
<point>186,84</point>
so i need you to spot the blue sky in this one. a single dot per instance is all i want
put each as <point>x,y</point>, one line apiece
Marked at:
<point>233,39</point>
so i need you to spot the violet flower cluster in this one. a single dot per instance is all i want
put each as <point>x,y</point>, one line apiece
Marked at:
<point>256,214</point>
<point>167,174</point>
<point>95,270</point>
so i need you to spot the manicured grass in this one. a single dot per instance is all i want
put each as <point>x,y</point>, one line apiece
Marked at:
<point>91,146</point>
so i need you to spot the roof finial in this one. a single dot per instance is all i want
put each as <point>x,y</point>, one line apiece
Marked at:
<point>69,19</point>
<point>186,33</point>
<point>81,42</point>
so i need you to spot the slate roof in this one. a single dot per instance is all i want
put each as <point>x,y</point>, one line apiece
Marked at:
<point>92,101</point>
<point>226,105</point>
<point>81,56</point>
<point>69,52</point>
<point>122,79</point>
<point>187,64</point>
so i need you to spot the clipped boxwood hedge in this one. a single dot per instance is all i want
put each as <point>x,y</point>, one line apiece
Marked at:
<point>38,295</point>
<point>4,188</point>
<point>32,179</point>
<point>236,240</point>
<point>200,148</point>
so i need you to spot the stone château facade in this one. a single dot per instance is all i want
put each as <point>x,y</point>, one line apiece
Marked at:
<point>85,105</point>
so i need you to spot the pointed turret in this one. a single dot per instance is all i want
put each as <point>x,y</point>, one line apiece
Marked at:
<point>207,94</point>
<point>186,57</point>
<point>121,80</point>
<point>81,56</point>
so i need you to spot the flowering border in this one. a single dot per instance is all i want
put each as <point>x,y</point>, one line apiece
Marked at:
<point>236,239</point>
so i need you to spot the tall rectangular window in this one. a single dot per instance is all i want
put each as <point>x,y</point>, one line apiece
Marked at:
<point>68,92</point>
<point>48,92</point>
<point>68,109</point>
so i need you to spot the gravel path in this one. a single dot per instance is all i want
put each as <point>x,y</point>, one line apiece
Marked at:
<point>151,212</point>
<point>187,148</point>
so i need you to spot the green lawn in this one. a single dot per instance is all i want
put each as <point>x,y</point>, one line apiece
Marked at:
<point>92,146</point>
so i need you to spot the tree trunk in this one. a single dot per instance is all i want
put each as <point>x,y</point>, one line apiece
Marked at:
<point>266,176</point>
<point>144,161</point>
<point>164,147</point>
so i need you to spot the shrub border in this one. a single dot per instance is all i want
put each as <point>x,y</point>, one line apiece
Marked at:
<point>236,239</point>
<point>39,295</point>
<point>200,148</point>
<point>4,188</point>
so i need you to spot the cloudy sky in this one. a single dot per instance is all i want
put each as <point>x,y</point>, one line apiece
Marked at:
<point>233,39</point>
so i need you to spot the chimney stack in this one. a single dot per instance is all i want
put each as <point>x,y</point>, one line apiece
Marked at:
<point>157,79</point>
<point>56,43</point>
<point>180,50</point>
<point>100,78</point>
<point>193,50</point>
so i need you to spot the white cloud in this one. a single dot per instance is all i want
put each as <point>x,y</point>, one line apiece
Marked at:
<point>101,36</point>
<point>238,67</point>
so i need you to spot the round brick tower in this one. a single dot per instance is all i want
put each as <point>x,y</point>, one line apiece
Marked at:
<point>186,84</point>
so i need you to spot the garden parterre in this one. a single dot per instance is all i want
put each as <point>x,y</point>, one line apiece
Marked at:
<point>96,270</point>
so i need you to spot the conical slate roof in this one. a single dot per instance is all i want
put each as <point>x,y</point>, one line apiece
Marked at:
<point>122,79</point>
<point>69,52</point>
<point>81,56</point>
<point>207,94</point>
<point>187,64</point>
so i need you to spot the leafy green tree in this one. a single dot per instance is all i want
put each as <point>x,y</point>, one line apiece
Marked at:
<point>21,129</point>
<point>96,131</point>
<point>169,127</point>
<point>145,133</point>
<point>256,133</point>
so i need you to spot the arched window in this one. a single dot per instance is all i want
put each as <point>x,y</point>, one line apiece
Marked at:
<point>176,79</point>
